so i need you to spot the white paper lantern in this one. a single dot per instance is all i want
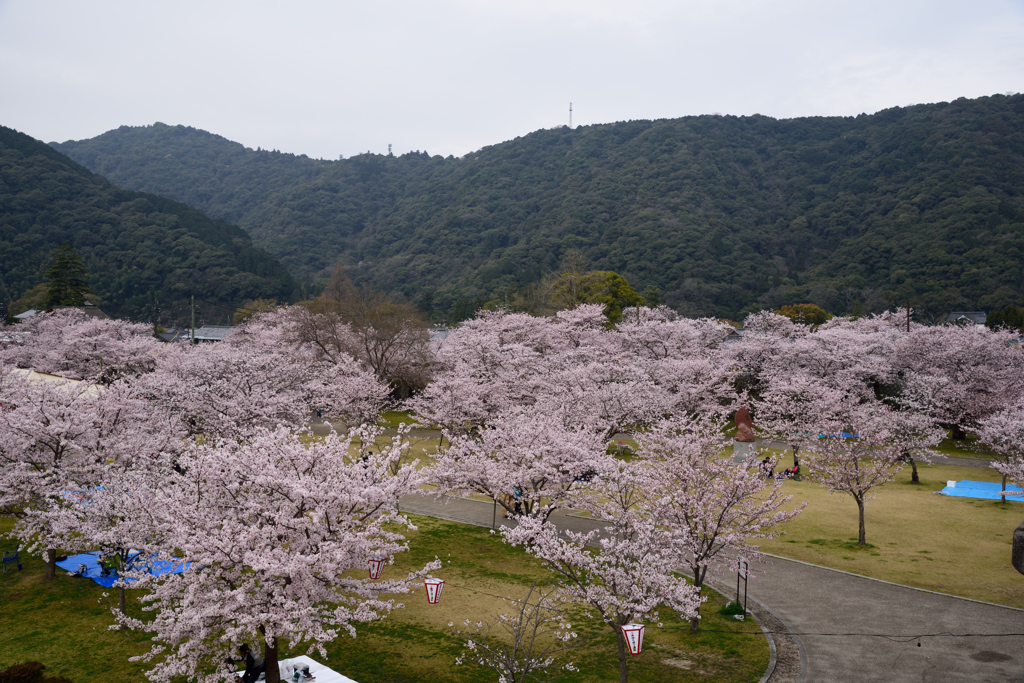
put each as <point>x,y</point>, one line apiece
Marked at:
<point>376,567</point>
<point>634,634</point>
<point>434,587</point>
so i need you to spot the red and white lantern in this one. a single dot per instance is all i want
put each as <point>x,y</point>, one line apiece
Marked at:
<point>634,635</point>
<point>377,566</point>
<point>434,587</point>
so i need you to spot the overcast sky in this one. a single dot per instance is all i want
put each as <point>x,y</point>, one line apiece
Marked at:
<point>330,78</point>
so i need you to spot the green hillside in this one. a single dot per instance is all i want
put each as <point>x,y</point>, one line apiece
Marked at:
<point>136,246</point>
<point>721,213</point>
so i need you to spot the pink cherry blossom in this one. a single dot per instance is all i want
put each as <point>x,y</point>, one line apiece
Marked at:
<point>531,464</point>
<point>57,442</point>
<point>258,377</point>
<point>633,569</point>
<point>71,344</point>
<point>277,534</point>
<point>711,507</point>
<point>853,447</point>
<point>1003,433</point>
<point>961,374</point>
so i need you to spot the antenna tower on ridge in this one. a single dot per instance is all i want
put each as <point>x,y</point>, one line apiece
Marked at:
<point>570,116</point>
<point>389,149</point>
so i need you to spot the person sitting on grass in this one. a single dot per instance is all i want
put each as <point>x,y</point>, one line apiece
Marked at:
<point>254,664</point>
<point>109,563</point>
<point>789,473</point>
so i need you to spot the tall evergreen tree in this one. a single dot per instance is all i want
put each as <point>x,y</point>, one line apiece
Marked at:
<point>68,278</point>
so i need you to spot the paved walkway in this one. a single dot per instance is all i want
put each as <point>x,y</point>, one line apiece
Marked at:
<point>811,601</point>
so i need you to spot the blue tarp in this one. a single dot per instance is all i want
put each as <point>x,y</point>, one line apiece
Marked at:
<point>95,572</point>
<point>989,490</point>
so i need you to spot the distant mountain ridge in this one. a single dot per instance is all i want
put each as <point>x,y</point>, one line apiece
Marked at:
<point>139,248</point>
<point>722,213</point>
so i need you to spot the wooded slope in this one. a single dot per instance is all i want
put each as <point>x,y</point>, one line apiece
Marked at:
<point>721,213</point>
<point>137,246</point>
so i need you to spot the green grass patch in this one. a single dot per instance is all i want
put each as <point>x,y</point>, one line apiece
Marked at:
<point>394,418</point>
<point>966,448</point>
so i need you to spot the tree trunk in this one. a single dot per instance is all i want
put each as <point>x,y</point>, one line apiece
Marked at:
<point>1003,497</point>
<point>698,581</point>
<point>270,658</point>
<point>51,564</point>
<point>913,471</point>
<point>861,538</point>
<point>121,599</point>
<point>796,456</point>
<point>957,433</point>
<point>623,671</point>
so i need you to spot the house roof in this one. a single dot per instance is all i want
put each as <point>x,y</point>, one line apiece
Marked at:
<point>976,317</point>
<point>213,332</point>
<point>89,308</point>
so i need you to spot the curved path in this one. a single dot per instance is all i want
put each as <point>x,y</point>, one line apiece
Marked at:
<point>845,627</point>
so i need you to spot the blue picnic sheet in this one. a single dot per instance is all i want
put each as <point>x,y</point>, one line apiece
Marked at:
<point>95,572</point>
<point>989,490</point>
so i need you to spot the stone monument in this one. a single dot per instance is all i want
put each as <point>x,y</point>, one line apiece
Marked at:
<point>743,445</point>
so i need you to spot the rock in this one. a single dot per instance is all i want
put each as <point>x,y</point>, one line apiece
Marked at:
<point>744,426</point>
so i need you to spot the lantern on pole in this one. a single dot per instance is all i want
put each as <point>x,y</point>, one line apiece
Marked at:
<point>634,635</point>
<point>434,587</point>
<point>376,567</point>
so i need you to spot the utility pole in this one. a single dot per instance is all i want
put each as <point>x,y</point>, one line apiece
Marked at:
<point>156,315</point>
<point>908,316</point>
<point>570,116</point>
<point>193,335</point>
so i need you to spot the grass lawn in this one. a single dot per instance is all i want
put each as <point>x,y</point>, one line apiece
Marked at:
<point>953,545</point>
<point>64,625</point>
<point>969,448</point>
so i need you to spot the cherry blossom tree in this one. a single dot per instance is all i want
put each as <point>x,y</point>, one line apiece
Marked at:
<point>790,401</point>
<point>276,534</point>
<point>631,573</point>
<point>766,335</point>
<point>608,379</point>
<point>71,344</point>
<point>531,464</point>
<point>854,448</point>
<point>711,506</point>
<point>608,397</point>
<point>853,356</point>
<point>258,378</point>
<point>1003,433</point>
<point>680,354</point>
<point>390,339</point>
<point>56,441</point>
<point>485,367</point>
<point>536,633</point>
<point>115,518</point>
<point>960,375</point>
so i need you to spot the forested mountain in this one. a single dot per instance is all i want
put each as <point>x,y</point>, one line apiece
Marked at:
<point>722,213</point>
<point>136,246</point>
